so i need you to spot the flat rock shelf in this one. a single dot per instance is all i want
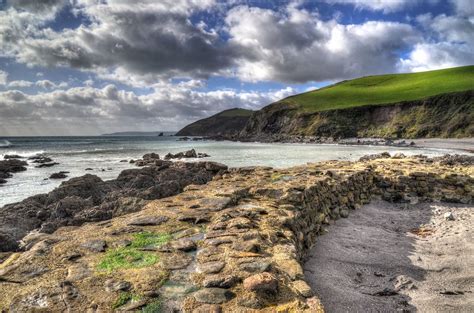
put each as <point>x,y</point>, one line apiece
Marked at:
<point>235,244</point>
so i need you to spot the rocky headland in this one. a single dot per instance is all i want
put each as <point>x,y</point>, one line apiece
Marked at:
<point>235,244</point>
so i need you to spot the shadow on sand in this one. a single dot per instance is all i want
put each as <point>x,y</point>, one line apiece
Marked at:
<point>363,263</point>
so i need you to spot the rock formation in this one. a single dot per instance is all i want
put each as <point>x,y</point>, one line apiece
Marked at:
<point>232,245</point>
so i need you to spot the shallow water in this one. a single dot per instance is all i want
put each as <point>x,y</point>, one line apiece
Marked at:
<point>103,155</point>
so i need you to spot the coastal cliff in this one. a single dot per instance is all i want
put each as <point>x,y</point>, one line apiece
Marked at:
<point>232,245</point>
<point>445,116</point>
<point>226,123</point>
<point>396,106</point>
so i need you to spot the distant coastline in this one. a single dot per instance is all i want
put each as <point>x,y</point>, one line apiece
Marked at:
<point>137,133</point>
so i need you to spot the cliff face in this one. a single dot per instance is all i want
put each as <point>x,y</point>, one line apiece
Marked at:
<point>445,115</point>
<point>225,123</point>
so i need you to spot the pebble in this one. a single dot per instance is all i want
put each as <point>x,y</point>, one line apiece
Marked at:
<point>263,282</point>
<point>449,216</point>
<point>302,288</point>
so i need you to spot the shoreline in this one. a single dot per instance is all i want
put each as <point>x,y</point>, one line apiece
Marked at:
<point>460,144</point>
<point>235,243</point>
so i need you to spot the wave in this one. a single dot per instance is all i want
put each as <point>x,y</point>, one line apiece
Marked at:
<point>5,144</point>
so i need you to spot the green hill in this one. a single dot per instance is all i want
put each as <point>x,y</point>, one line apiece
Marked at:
<point>416,105</point>
<point>384,89</point>
<point>226,123</point>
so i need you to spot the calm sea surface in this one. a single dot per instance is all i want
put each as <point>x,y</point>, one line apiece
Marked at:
<point>103,155</point>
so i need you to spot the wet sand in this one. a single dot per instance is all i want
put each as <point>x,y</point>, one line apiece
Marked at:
<point>466,144</point>
<point>396,258</point>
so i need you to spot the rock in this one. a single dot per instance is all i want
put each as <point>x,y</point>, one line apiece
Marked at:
<point>208,308</point>
<point>302,288</point>
<point>449,216</point>
<point>175,261</point>
<point>263,282</point>
<point>12,156</point>
<point>213,295</point>
<point>93,199</point>
<point>47,165</point>
<point>291,268</point>
<point>255,267</point>
<point>148,221</point>
<point>132,305</point>
<point>77,272</point>
<point>113,285</point>
<point>58,175</point>
<point>151,156</point>
<point>89,169</point>
<point>246,246</point>
<point>220,281</point>
<point>215,166</point>
<point>95,245</point>
<point>344,213</point>
<point>210,267</point>
<point>183,244</point>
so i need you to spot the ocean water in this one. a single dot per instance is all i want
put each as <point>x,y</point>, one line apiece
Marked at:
<point>103,154</point>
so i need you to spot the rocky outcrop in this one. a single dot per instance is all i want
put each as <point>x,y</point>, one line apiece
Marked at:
<point>445,115</point>
<point>235,244</point>
<point>88,198</point>
<point>9,166</point>
<point>226,123</point>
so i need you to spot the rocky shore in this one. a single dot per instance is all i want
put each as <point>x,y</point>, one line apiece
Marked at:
<point>88,198</point>
<point>235,244</point>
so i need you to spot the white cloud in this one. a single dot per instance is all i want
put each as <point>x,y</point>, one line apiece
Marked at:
<point>387,6</point>
<point>47,84</point>
<point>20,84</point>
<point>451,43</point>
<point>3,78</point>
<point>463,7</point>
<point>296,46</point>
<point>87,110</point>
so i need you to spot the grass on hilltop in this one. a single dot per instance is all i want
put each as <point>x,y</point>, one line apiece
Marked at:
<point>385,89</point>
<point>235,112</point>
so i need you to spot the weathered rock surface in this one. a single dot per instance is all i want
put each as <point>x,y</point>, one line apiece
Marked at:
<point>254,233</point>
<point>88,198</point>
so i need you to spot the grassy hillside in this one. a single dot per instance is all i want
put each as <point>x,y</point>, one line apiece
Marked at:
<point>226,123</point>
<point>385,89</point>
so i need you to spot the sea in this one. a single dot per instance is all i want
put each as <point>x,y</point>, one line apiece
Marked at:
<point>104,153</point>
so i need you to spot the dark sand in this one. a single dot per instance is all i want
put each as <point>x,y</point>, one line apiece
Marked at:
<point>374,262</point>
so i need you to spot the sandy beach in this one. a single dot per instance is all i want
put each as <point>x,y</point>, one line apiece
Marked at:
<point>396,257</point>
<point>466,144</point>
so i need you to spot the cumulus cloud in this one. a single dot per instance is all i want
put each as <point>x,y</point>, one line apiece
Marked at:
<point>3,78</point>
<point>449,42</point>
<point>296,46</point>
<point>87,110</point>
<point>387,6</point>
<point>47,84</point>
<point>20,84</point>
<point>149,39</point>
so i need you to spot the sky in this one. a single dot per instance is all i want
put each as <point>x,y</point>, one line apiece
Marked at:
<point>87,67</point>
